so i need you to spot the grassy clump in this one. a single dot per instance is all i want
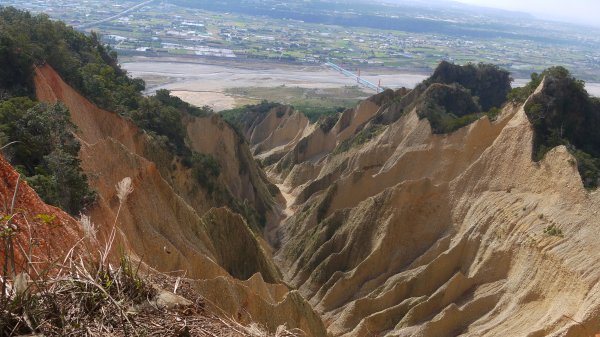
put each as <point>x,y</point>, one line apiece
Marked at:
<point>80,298</point>
<point>366,134</point>
<point>78,294</point>
<point>553,230</point>
<point>86,294</point>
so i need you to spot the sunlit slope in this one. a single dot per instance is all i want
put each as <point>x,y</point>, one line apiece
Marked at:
<point>411,233</point>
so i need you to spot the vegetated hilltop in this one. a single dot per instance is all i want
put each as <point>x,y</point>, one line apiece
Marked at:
<point>199,201</point>
<point>456,208</point>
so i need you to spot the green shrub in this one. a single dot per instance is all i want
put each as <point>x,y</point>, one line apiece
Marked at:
<point>237,116</point>
<point>46,151</point>
<point>315,112</point>
<point>81,60</point>
<point>163,120</point>
<point>521,94</point>
<point>206,170</point>
<point>91,68</point>
<point>327,122</point>
<point>493,113</point>
<point>234,116</point>
<point>553,230</point>
<point>448,107</point>
<point>369,132</point>
<point>589,168</point>
<point>164,96</point>
<point>454,96</point>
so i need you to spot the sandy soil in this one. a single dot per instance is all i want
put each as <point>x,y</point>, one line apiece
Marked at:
<point>205,84</point>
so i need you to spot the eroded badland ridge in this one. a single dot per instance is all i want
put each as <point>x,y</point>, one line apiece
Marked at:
<point>399,231</point>
<point>408,215</point>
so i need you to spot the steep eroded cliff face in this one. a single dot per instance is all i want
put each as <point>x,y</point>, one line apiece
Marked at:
<point>408,233</point>
<point>37,229</point>
<point>174,224</point>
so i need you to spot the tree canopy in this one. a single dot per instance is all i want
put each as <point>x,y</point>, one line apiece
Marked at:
<point>486,81</point>
<point>563,113</point>
<point>45,151</point>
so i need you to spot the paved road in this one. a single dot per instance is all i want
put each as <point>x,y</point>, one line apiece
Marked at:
<point>131,9</point>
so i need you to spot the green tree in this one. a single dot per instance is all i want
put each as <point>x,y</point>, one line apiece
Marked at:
<point>486,81</point>
<point>164,96</point>
<point>563,113</point>
<point>206,170</point>
<point>46,151</point>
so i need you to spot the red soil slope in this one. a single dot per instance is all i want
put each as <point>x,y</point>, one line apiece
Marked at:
<point>45,230</point>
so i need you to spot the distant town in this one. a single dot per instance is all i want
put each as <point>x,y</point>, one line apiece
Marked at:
<point>164,28</point>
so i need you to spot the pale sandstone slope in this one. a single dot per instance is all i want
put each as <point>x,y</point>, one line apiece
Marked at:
<point>286,138</point>
<point>415,234</point>
<point>169,220</point>
<point>280,130</point>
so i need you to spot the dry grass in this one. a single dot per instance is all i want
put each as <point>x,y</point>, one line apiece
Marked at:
<point>91,300</point>
<point>85,294</point>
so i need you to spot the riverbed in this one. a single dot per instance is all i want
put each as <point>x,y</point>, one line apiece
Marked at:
<point>205,82</point>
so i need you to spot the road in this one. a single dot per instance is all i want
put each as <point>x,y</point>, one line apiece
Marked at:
<point>131,9</point>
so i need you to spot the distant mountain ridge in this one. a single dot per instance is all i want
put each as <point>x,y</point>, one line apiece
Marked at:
<point>456,5</point>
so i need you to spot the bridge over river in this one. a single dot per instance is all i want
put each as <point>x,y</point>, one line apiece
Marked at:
<point>358,79</point>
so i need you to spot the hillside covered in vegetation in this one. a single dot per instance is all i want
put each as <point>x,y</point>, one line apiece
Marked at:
<point>563,113</point>
<point>42,144</point>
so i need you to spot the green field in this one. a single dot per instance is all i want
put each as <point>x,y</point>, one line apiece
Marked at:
<point>312,102</point>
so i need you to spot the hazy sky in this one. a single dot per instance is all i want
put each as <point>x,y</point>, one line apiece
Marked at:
<point>578,11</point>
